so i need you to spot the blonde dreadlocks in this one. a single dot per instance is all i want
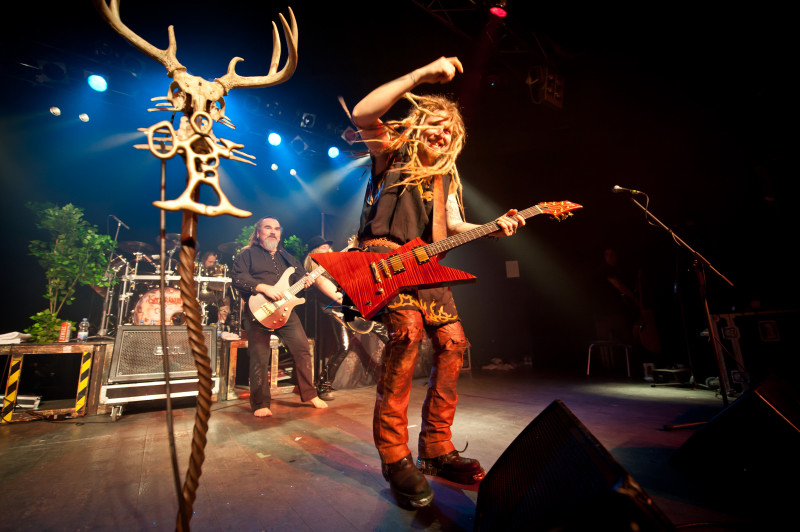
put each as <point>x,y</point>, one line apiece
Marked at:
<point>405,135</point>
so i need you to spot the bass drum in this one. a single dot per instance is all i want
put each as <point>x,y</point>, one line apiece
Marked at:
<point>148,308</point>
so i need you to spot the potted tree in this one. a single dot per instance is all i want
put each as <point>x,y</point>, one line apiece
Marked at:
<point>72,255</point>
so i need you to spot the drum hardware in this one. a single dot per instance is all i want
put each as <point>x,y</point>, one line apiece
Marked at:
<point>118,262</point>
<point>115,263</point>
<point>119,268</point>
<point>138,299</point>
<point>169,263</point>
<point>151,277</point>
<point>136,247</point>
<point>171,240</point>
<point>229,248</point>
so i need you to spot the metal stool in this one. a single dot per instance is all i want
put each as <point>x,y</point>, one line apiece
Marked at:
<point>612,345</point>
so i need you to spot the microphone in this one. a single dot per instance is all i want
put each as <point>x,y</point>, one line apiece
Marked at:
<point>618,189</point>
<point>120,222</point>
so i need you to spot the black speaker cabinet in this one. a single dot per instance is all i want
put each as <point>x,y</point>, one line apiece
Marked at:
<point>557,476</point>
<point>750,451</point>
<point>139,355</point>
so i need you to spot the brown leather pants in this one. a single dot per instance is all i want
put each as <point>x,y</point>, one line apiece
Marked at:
<point>390,420</point>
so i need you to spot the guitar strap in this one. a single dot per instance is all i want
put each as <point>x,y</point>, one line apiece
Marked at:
<point>439,229</point>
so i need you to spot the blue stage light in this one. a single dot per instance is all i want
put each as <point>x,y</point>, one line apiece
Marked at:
<point>333,152</point>
<point>97,83</point>
<point>274,139</point>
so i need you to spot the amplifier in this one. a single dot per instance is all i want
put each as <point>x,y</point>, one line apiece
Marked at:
<point>139,354</point>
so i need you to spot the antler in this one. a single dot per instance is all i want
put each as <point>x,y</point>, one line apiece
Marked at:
<point>232,80</point>
<point>110,13</point>
<point>167,57</point>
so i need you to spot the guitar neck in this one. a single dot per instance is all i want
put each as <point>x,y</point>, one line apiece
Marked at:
<point>299,285</point>
<point>316,272</point>
<point>468,236</point>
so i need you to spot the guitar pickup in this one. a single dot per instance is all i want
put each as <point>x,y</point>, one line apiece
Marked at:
<point>396,264</point>
<point>420,254</point>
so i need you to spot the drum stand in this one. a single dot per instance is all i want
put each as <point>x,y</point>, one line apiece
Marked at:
<point>124,297</point>
<point>127,290</point>
<point>102,332</point>
<point>169,261</point>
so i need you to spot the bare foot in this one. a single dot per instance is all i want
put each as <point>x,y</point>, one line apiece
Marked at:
<point>263,412</point>
<point>318,403</point>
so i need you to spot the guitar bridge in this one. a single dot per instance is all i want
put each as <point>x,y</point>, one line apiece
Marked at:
<point>375,273</point>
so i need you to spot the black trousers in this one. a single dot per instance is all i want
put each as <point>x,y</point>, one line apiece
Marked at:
<point>295,340</point>
<point>342,338</point>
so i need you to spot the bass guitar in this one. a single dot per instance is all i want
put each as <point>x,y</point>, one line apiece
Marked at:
<point>371,279</point>
<point>274,314</point>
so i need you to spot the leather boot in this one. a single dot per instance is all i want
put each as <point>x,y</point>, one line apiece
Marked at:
<point>452,467</point>
<point>325,391</point>
<point>408,485</point>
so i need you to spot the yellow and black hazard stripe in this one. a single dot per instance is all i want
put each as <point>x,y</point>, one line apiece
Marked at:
<point>12,387</point>
<point>83,382</point>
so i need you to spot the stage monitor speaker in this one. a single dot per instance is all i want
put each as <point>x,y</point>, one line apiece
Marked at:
<point>750,451</point>
<point>557,476</point>
<point>138,353</point>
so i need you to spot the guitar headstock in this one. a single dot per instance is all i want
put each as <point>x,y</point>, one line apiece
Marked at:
<point>560,210</point>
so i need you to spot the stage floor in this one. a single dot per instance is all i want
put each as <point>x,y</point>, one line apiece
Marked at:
<point>309,469</point>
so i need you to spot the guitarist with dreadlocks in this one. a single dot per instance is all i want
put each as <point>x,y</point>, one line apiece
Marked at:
<point>415,191</point>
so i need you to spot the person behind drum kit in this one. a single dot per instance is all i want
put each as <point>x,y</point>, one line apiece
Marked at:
<point>257,269</point>
<point>210,293</point>
<point>208,261</point>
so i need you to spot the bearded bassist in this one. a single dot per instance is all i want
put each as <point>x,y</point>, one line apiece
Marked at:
<point>260,268</point>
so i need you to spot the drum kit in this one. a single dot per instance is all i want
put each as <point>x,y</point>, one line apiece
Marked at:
<point>138,292</point>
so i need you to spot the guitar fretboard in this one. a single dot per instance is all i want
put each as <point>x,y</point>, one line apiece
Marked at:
<point>477,232</point>
<point>299,285</point>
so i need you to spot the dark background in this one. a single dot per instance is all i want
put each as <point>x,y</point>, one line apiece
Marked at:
<point>688,104</point>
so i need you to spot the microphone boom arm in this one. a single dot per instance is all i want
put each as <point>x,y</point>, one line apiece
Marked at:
<point>723,386</point>
<point>681,242</point>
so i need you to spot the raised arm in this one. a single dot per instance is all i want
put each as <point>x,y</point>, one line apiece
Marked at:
<point>368,112</point>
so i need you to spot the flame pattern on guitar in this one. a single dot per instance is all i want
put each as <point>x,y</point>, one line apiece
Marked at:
<point>372,279</point>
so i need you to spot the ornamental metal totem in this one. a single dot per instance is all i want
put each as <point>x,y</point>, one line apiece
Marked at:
<point>201,103</point>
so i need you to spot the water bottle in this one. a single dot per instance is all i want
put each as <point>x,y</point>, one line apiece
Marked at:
<point>83,330</point>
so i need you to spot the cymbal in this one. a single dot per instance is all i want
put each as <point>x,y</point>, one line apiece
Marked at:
<point>229,247</point>
<point>170,240</point>
<point>132,246</point>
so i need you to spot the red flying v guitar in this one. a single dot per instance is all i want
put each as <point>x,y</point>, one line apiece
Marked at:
<point>372,279</point>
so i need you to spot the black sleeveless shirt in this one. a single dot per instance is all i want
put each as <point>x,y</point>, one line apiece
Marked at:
<point>398,213</point>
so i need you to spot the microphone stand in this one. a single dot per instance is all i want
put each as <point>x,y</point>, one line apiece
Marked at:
<point>700,263</point>
<point>107,301</point>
